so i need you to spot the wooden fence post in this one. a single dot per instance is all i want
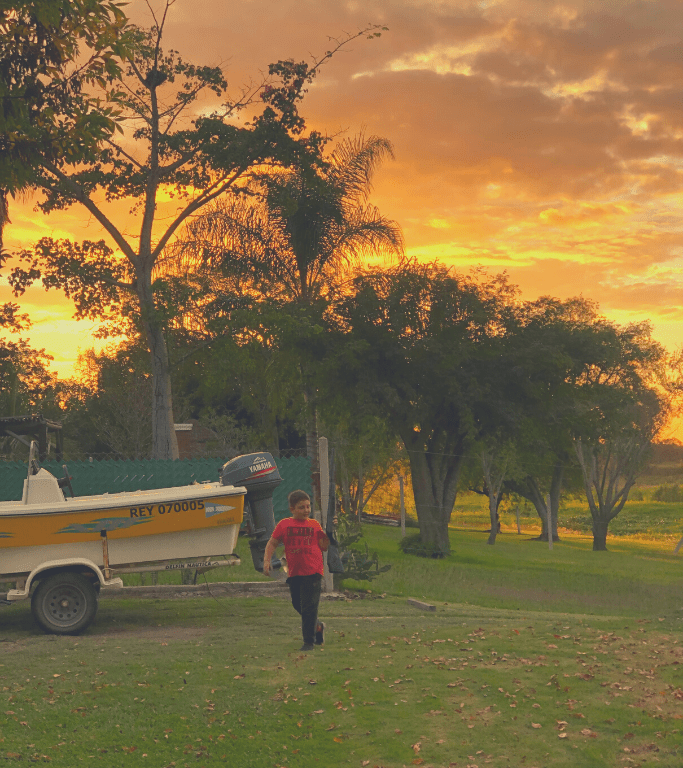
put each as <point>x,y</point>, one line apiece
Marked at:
<point>324,460</point>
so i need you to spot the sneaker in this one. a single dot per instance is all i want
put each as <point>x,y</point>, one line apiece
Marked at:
<point>319,633</point>
<point>307,647</point>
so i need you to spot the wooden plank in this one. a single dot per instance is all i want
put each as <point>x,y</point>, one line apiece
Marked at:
<point>419,604</point>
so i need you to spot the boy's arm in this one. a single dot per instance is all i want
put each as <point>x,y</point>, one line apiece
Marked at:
<point>323,540</point>
<point>271,546</point>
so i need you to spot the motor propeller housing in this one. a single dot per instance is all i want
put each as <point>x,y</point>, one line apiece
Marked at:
<point>259,474</point>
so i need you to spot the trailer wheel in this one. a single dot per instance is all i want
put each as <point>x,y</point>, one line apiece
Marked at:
<point>64,603</point>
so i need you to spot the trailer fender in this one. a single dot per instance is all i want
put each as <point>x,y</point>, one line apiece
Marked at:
<point>76,564</point>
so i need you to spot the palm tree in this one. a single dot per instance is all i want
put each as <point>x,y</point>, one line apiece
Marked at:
<point>294,229</point>
<point>295,232</point>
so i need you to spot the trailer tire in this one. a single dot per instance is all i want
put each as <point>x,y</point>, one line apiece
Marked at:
<point>64,603</point>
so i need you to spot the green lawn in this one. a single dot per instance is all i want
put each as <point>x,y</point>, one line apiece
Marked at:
<point>536,658</point>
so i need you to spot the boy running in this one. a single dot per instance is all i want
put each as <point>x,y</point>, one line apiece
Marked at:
<point>305,541</point>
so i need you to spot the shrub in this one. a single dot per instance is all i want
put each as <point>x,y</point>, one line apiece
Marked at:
<point>413,545</point>
<point>358,565</point>
<point>667,493</point>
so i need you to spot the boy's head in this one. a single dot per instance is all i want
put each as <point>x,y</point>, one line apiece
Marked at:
<point>299,505</point>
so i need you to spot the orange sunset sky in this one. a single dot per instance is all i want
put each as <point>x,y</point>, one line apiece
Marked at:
<point>540,138</point>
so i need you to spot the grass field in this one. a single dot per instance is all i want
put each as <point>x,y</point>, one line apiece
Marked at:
<point>643,519</point>
<point>534,658</point>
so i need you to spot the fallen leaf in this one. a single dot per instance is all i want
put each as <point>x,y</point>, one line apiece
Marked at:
<point>238,677</point>
<point>318,711</point>
<point>338,739</point>
<point>536,725</point>
<point>417,747</point>
<point>561,735</point>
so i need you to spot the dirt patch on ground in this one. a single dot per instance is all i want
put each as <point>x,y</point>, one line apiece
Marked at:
<point>162,634</point>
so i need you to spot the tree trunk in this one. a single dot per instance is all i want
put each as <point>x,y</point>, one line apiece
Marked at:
<point>494,503</point>
<point>164,442</point>
<point>345,487</point>
<point>269,430</point>
<point>494,475</point>
<point>312,453</point>
<point>600,535</point>
<point>434,475</point>
<point>555,493</point>
<point>530,490</point>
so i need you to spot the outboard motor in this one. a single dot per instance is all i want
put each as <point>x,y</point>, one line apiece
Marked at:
<point>258,473</point>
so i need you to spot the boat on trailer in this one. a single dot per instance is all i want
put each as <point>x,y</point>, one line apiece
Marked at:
<point>61,551</point>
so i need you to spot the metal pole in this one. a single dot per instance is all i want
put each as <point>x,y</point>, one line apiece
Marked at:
<point>105,555</point>
<point>403,506</point>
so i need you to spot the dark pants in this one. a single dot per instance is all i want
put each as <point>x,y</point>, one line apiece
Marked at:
<point>305,592</point>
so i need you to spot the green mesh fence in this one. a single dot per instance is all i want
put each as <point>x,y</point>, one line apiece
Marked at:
<point>95,477</point>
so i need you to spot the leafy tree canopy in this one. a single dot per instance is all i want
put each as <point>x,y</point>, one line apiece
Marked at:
<point>143,116</point>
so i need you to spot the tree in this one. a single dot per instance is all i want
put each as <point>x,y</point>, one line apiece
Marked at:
<point>235,364</point>
<point>497,462</point>
<point>26,383</point>
<point>162,146</point>
<point>294,234</point>
<point>115,395</point>
<point>627,404</point>
<point>412,343</point>
<point>549,351</point>
<point>50,51</point>
<point>367,456</point>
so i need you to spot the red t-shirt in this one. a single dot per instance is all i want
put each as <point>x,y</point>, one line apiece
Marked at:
<point>302,550</point>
